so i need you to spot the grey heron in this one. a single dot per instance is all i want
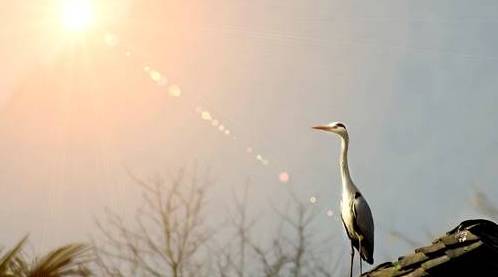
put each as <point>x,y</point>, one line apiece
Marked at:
<point>355,212</point>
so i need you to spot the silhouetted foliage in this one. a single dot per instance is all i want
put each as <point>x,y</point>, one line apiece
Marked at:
<point>68,260</point>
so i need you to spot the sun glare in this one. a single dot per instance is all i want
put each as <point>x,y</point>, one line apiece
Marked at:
<point>77,15</point>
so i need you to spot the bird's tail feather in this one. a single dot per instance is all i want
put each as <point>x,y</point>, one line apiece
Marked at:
<point>366,255</point>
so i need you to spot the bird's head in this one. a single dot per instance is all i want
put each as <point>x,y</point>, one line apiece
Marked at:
<point>334,127</point>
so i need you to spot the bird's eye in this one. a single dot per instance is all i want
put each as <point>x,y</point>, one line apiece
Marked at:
<point>340,125</point>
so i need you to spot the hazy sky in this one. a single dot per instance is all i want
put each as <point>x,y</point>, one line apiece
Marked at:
<point>415,81</point>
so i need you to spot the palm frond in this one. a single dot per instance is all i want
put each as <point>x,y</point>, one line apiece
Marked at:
<point>68,260</point>
<point>10,257</point>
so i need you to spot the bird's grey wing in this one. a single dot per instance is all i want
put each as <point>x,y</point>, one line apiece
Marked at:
<point>364,222</point>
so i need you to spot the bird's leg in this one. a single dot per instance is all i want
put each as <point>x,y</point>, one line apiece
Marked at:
<point>352,258</point>
<point>359,251</point>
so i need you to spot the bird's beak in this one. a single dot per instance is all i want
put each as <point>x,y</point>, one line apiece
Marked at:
<point>322,127</point>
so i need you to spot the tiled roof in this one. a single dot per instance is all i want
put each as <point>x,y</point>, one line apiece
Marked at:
<point>471,249</point>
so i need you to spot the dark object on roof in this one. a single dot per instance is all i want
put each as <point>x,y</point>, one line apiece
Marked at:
<point>471,249</point>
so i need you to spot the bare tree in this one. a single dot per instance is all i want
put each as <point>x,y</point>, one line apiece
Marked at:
<point>168,237</point>
<point>291,250</point>
<point>167,234</point>
<point>484,205</point>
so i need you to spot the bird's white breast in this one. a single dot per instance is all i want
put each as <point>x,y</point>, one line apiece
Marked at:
<point>347,213</point>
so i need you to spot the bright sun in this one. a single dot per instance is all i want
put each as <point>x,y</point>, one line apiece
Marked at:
<point>77,15</point>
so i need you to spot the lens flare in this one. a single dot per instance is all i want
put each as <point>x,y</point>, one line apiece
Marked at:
<point>313,200</point>
<point>284,177</point>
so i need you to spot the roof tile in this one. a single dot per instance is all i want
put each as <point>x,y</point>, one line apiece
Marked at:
<point>459,251</point>
<point>428,250</point>
<point>449,240</point>
<point>420,272</point>
<point>470,249</point>
<point>435,262</point>
<point>413,260</point>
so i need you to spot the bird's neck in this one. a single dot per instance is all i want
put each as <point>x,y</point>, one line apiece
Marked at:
<point>347,183</point>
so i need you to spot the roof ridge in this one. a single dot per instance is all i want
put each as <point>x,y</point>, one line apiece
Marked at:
<point>474,241</point>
